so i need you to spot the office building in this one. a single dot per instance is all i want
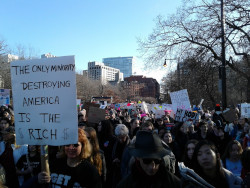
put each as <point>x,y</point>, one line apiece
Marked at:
<point>124,64</point>
<point>5,81</point>
<point>48,55</point>
<point>141,86</point>
<point>98,71</point>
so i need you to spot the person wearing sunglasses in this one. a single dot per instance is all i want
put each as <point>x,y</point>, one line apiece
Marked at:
<point>73,170</point>
<point>148,169</point>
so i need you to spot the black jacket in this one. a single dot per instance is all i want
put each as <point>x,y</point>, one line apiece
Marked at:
<point>137,178</point>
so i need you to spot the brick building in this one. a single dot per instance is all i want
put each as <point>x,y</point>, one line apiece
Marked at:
<point>140,86</point>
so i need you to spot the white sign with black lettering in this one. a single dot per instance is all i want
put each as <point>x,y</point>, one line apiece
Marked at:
<point>44,99</point>
<point>4,96</point>
<point>186,115</point>
<point>245,110</point>
<point>180,100</point>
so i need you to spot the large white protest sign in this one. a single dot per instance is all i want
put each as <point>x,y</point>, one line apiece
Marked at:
<point>167,106</point>
<point>161,110</point>
<point>143,107</point>
<point>180,100</point>
<point>155,107</point>
<point>159,114</point>
<point>44,98</point>
<point>186,115</point>
<point>4,96</point>
<point>245,110</point>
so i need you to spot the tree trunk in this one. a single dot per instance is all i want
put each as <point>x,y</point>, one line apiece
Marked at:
<point>248,90</point>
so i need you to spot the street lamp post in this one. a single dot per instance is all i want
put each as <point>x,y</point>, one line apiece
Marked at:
<point>223,58</point>
<point>165,63</point>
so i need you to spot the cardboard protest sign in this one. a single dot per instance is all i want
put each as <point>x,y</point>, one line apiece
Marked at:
<point>143,107</point>
<point>96,114</point>
<point>87,105</point>
<point>103,106</point>
<point>44,99</point>
<point>149,106</point>
<point>167,106</point>
<point>185,115</point>
<point>128,106</point>
<point>180,100</point>
<point>117,106</point>
<point>121,105</point>
<point>155,107</point>
<point>159,113</point>
<point>245,110</point>
<point>78,102</point>
<point>230,115</point>
<point>4,96</point>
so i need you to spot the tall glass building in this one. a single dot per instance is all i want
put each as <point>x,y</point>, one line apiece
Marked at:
<point>125,64</point>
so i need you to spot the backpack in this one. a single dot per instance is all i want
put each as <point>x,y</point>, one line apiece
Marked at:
<point>169,159</point>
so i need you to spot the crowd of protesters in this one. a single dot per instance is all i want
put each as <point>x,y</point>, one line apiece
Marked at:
<point>129,149</point>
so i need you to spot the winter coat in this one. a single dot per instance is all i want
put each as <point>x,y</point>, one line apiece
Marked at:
<point>138,178</point>
<point>191,179</point>
<point>117,153</point>
<point>232,180</point>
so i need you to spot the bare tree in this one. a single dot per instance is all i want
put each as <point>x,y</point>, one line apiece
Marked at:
<point>4,67</point>
<point>25,52</point>
<point>86,88</point>
<point>6,56</point>
<point>195,31</point>
<point>116,91</point>
<point>201,80</point>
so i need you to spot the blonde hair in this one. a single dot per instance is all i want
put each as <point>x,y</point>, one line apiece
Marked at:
<point>86,146</point>
<point>95,158</point>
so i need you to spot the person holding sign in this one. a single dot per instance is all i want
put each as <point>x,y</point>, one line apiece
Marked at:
<point>29,164</point>
<point>74,170</point>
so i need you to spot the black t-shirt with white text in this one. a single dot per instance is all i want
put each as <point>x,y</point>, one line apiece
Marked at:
<point>81,176</point>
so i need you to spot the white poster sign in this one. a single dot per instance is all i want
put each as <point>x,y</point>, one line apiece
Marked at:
<point>245,110</point>
<point>4,96</point>
<point>155,107</point>
<point>78,102</point>
<point>180,100</point>
<point>143,107</point>
<point>167,106</point>
<point>186,115</point>
<point>44,99</point>
<point>103,106</point>
<point>159,114</point>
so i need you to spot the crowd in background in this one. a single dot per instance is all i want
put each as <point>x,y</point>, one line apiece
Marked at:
<point>218,151</point>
